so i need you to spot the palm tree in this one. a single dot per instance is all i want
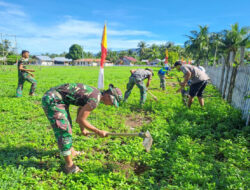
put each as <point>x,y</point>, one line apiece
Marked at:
<point>154,52</point>
<point>232,40</point>
<point>142,48</point>
<point>216,43</point>
<point>198,44</point>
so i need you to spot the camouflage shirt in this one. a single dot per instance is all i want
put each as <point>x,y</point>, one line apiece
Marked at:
<point>79,94</point>
<point>142,74</point>
<point>23,62</point>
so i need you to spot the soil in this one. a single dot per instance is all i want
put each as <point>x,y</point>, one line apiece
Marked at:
<point>136,120</point>
<point>173,84</point>
<point>126,167</point>
<point>140,168</point>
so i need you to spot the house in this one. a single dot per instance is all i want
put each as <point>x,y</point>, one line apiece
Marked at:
<point>128,60</point>
<point>62,61</point>
<point>43,60</point>
<point>155,62</point>
<point>91,62</point>
<point>145,61</point>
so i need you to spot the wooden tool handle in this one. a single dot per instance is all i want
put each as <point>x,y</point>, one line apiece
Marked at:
<point>119,134</point>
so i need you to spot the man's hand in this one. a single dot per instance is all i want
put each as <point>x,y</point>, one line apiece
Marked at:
<point>102,133</point>
<point>183,84</point>
<point>32,74</point>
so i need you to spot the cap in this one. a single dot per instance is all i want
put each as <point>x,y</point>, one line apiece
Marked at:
<point>115,95</point>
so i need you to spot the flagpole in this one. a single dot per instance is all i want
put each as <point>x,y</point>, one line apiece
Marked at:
<point>103,57</point>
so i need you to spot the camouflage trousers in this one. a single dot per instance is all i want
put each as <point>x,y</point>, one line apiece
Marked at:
<point>139,83</point>
<point>57,113</point>
<point>162,82</point>
<point>21,80</point>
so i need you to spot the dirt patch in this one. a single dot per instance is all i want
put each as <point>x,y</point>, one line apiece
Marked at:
<point>173,84</point>
<point>140,168</point>
<point>117,167</point>
<point>37,102</point>
<point>127,167</point>
<point>136,120</point>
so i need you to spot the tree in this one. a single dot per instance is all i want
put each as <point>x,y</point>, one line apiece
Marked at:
<point>122,54</point>
<point>112,56</point>
<point>216,43</point>
<point>173,57</point>
<point>142,48</point>
<point>198,44</point>
<point>131,53</point>
<point>153,52</point>
<point>233,39</point>
<point>75,52</point>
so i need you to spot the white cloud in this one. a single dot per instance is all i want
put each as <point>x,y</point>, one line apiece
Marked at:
<point>58,38</point>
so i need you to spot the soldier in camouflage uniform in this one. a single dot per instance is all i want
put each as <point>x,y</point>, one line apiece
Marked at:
<point>25,75</point>
<point>56,103</point>
<point>137,77</point>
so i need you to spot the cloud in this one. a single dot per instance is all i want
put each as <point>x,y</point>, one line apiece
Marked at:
<point>60,36</point>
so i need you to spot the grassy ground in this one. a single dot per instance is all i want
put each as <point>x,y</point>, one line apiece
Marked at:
<point>193,148</point>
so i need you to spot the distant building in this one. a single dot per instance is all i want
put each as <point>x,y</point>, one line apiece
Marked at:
<point>127,61</point>
<point>62,61</point>
<point>43,60</point>
<point>145,61</point>
<point>91,62</point>
<point>155,62</point>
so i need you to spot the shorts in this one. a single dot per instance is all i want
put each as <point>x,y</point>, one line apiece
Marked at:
<point>197,89</point>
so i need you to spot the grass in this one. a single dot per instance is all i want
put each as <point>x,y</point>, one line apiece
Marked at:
<point>193,148</point>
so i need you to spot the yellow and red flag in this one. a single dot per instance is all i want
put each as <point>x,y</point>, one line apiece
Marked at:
<point>166,58</point>
<point>103,57</point>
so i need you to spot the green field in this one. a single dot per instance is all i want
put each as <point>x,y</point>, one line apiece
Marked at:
<point>193,148</point>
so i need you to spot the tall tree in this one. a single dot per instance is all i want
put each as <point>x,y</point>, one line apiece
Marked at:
<point>216,43</point>
<point>233,40</point>
<point>75,52</point>
<point>198,44</point>
<point>154,52</point>
<point>142,48</point>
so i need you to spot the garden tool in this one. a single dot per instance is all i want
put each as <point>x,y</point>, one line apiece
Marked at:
<point>154,97</point>
<point>184,93</point>
<point>147,138</point>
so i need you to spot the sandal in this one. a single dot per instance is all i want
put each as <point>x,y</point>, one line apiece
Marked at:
<point>73,169</point>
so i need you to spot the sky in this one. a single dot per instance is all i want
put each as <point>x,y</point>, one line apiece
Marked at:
<point>53,26</point>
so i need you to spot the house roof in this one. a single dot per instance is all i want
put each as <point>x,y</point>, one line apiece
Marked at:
<point>62,59</point>
<point>43,58</point>
<point>91,60</point>
<point>130,58</point>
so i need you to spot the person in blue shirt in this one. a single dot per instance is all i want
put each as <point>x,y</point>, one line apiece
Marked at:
<point>161,73</point>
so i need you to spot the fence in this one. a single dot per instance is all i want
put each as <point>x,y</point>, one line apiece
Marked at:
<point>241,91</point>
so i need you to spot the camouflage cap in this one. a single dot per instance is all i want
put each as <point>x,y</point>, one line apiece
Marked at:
<point>115,94</point>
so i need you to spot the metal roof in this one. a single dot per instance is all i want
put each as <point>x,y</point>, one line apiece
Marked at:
<point>43,58</point>
<point>62,59</point>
